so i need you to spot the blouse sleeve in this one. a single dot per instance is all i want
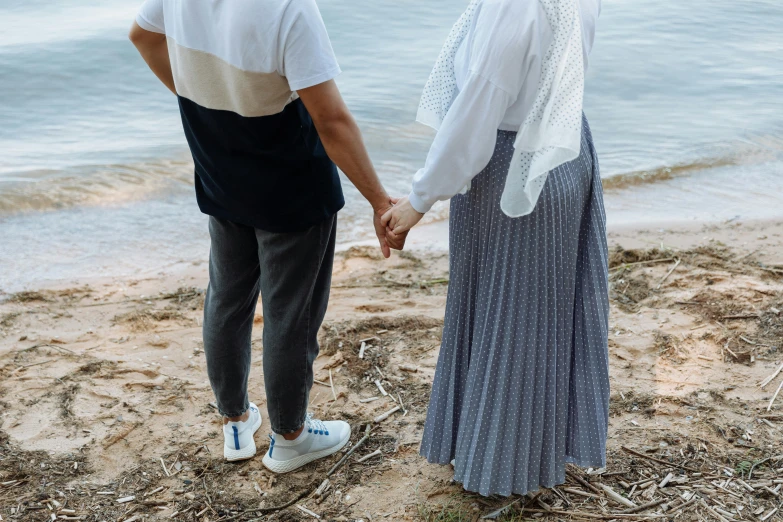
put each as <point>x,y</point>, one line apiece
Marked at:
<point>507,43</point>
<point>464,143</point>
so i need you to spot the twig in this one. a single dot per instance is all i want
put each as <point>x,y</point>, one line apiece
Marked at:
<point>668,274</point>
<point>369,399</point>
<point>331,385</point>
<point>382,417</point>
<point>772,400</point>
<point>369,456</point>
<point>772,377</point>
<point>47,345</point>
<point>608,516</point>
<point>361,350</point>
<point>617,497</point>
<point>750,473</point>
<point>166,471</point>
<point>495,514</point>
<point>19,369</point>
<point>644,507</point>
<point>712,511</point>
<point>659,461</point>
<point>684,505</point>
<point>652,261</point>
<point>380,388</point>
<point>272,509</point>
<point>350,452</point>
<point>583,482</point>
<point>307,511</point>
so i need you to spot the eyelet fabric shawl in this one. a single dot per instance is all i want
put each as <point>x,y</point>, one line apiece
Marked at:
<point>522,381</point>
<point>551,132</point>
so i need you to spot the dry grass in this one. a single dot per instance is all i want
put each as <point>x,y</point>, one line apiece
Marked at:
<point>147,318</point>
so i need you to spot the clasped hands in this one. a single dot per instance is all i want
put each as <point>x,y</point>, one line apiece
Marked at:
<point>393,223</point>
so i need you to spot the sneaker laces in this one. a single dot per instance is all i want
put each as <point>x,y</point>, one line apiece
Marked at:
<point>316,426</point>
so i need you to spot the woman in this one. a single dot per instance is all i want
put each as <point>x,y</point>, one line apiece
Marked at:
<point>522,383</point>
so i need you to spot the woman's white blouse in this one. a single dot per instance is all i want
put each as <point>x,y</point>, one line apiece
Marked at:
<point>497,66</point>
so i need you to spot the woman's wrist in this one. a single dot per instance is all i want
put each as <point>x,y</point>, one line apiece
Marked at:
<point>418,204</point>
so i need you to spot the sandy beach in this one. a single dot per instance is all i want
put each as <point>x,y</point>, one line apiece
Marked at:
<point>107,413</point>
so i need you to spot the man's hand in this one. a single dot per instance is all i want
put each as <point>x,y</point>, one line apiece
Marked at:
<point>387,243</point>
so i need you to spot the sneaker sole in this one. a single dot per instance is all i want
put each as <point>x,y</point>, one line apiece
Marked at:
<point>249,452</point>
<point>286,466</point>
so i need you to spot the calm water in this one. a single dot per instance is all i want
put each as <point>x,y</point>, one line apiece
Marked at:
<point>95,176</point>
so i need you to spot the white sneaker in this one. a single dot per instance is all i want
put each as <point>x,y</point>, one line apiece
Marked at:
<point>318,440</point>
<point>239,444</point>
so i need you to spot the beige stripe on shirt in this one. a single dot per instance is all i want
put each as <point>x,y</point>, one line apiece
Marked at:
<point>214,83</point>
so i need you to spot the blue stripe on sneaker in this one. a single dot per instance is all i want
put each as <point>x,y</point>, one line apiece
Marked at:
<point>271,445</point>
<point>236,437</point>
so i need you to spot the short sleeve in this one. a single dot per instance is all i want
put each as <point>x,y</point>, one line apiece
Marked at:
<point>150,16</point>
<point>306,55</point>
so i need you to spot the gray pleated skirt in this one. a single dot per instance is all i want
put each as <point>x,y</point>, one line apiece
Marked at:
<point>522,382</point>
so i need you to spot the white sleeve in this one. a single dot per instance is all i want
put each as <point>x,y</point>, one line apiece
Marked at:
<point>150,16</point>
<point>505,49</point>
<point>464,143</point>
<point>306,55</point>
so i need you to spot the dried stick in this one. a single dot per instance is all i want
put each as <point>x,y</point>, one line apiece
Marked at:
<point>644,507</point>
<point>331,385</point>
<point>608,516</point>
<point>369,456</point>
<point>583,482</point>
<point>382,417</point>
<point>653,261</point>
<point>350,452</point>
<point>771,377</point>
<point>617,497</point>
<point>772,400</point>
<point>659,461</point>
<point>668,274</point>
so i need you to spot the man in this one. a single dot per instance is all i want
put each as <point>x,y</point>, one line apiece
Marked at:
<point>264,121</point>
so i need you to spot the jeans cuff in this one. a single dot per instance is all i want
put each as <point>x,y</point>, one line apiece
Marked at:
<point>285,431</point>
<point>232,413</point>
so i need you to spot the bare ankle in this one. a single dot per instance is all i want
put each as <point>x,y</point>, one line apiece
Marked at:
<point>294,435</point>
<point>241,418</point>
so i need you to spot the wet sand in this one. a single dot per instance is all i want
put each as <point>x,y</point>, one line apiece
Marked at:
<point>104,393</point>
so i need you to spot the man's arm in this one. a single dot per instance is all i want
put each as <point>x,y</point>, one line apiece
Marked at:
<point>152,47</point>
<point>343,142</point>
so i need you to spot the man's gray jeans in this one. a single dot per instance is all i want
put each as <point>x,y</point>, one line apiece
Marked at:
<point>292,272</point>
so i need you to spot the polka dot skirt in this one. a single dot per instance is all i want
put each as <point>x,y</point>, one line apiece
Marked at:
<point>522,382</point>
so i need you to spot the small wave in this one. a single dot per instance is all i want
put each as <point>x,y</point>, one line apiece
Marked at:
<point>752,154</point>
<point>44,190</point>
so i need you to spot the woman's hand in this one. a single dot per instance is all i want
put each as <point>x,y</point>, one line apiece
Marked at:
<point>400,218</point>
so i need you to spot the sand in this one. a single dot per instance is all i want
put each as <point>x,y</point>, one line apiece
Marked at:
<point>104,394</point>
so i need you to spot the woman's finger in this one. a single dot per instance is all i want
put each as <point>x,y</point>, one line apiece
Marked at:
<point>387,217</point>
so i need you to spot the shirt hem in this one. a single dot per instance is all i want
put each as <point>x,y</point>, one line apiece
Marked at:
<point>219,213</point>
<point>148,26</point>
<point>315,80</point>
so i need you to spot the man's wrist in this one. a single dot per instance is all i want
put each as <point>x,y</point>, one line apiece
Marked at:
<point>381,204</point>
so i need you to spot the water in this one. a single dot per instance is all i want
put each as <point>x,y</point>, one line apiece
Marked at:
<point>95,175</point>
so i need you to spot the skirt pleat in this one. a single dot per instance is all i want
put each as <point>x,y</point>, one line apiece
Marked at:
<point>522,382</point>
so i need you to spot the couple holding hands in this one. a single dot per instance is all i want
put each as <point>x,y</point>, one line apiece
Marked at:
<point>522,381</point>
